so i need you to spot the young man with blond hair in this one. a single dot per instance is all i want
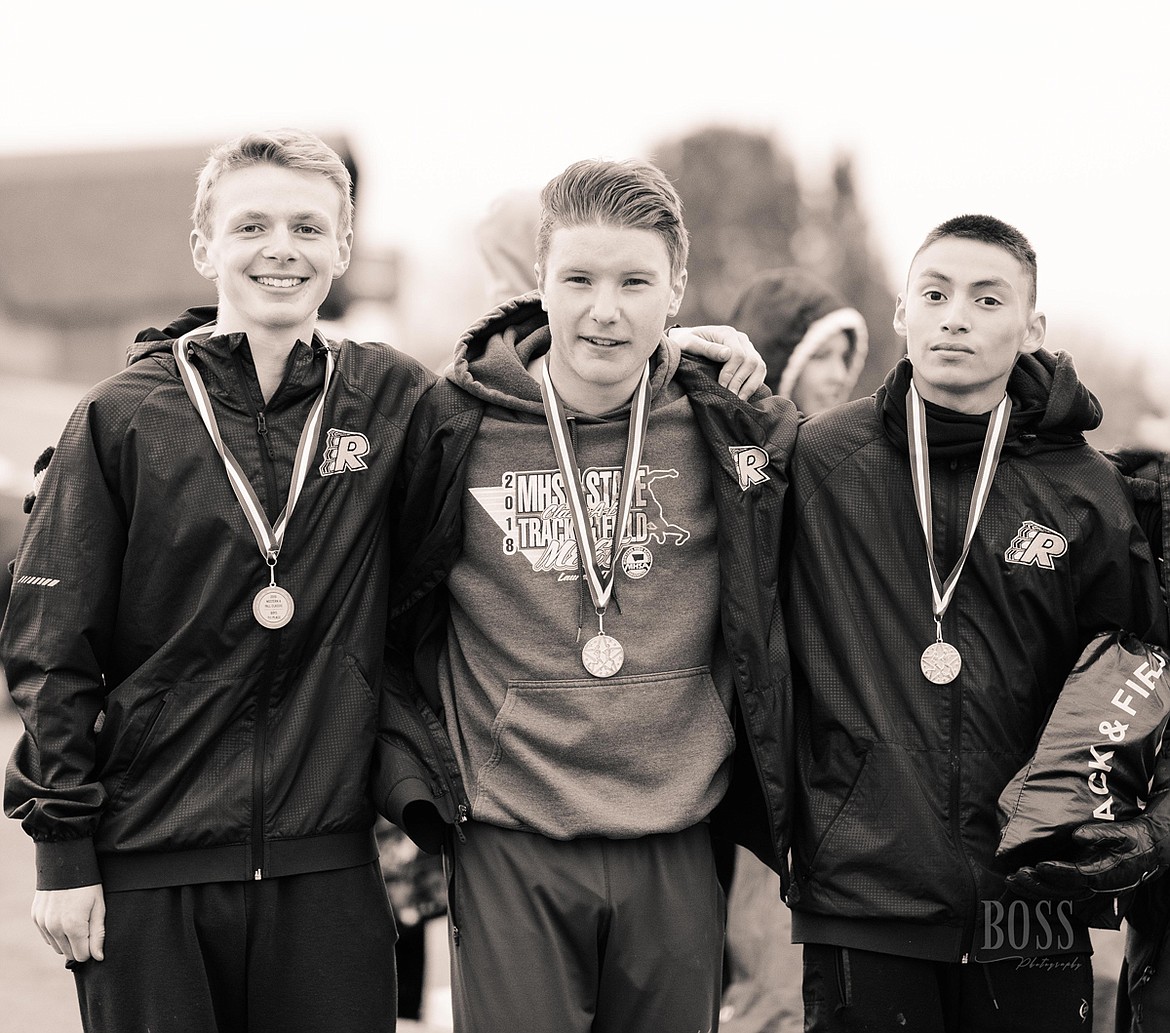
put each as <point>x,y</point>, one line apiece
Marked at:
<point>592,527</point>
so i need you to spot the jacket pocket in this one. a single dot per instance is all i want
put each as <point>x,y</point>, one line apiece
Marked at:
<point>617,757</point>
<point>889,850</point>
<point>130,744</point>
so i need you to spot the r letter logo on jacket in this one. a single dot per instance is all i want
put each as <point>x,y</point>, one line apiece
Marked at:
<point>344,450</point>
<point>1035,544</point>
<point>750,461</point>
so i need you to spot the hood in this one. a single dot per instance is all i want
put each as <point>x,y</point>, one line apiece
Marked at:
<point>491,357</point>
<point>152,341</point>
<point>1051,409</point>
<point>788,314</point>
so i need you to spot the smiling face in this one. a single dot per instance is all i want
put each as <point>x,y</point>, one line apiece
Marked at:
<point>966,316</point>
<point>608,291</point>
<point>273,248</point>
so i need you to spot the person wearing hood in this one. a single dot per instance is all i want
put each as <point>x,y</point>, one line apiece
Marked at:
<point>814,346</point>
<point>953,544</point>
<point>194,637</point>
<point>590,673</point>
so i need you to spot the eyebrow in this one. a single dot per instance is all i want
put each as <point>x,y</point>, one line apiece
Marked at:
<point>258,216</point>
<point>592,272</point>
<point>991,281</point>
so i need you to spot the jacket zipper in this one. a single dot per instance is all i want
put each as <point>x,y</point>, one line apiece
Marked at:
<point>267,452</point>
<point>259,750</point>
<point>950,552</point>
<point>264,692</point>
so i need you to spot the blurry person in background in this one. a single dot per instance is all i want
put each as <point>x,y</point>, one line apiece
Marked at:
<point>814,346</point>
<point>506,239</point>
<point>813,343</point>
<point>590,676</point>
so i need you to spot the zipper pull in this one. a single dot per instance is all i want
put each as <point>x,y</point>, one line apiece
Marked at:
<point>262,430</point>
<point>258,874</point>
<point>460,819</point>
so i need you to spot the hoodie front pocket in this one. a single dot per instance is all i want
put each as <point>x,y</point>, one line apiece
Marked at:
<point>616,757</point>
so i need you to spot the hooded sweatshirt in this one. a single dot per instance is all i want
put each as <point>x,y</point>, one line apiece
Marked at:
<point>894,850</point>
<point>542,744</point>
<point>671,657</point>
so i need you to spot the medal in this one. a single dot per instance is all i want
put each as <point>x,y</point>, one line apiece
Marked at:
<point>940,661</point>
<point>273,607</point>
<point>603,655</point>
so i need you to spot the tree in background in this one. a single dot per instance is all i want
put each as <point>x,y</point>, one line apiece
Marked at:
<point>746,212</point>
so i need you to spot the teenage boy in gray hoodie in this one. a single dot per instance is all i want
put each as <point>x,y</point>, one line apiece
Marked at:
<point>590,654</point>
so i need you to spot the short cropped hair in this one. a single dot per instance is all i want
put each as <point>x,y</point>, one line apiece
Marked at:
<point>288,148</point>
<point>989,230</point>
<point>632,194</point>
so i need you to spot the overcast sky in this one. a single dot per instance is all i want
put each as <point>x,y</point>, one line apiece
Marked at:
<point>1051,116</point>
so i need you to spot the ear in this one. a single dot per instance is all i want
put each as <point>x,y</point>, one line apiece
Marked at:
<point>900,316</point>
<point>1034,338</point>
<point>677,290</point>
<point>539,273</point>
<point>344,254</point>
<point>199,256</point>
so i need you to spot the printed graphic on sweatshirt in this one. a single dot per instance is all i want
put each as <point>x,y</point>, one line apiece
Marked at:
<point>1036,545</point>
<point>345,452</point>
<point>531,511</point>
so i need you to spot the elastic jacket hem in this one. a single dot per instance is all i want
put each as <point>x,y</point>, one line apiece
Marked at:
<point>912,939</point>
<point>233,863</point>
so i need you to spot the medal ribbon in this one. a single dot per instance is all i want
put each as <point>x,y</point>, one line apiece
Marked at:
<point>599,578</point>
<point>269,537</point>
<point>993,440</point>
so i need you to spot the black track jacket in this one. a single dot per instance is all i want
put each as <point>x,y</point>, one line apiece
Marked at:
<point>898,777</point>
<point>170,738</point>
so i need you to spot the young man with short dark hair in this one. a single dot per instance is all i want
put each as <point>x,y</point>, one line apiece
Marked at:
<point>954,543</point>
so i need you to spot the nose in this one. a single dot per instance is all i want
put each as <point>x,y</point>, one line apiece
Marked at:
<point>281,244</point>
<point>605,307</point>
<point>955,319</point>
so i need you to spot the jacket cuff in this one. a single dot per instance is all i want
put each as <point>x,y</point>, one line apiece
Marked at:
<point>66,865</point>
<point>411,806</point>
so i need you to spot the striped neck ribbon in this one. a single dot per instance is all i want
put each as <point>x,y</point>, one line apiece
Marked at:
<point>269,537</point>
<point>943,591</point>
<point>598,576</point>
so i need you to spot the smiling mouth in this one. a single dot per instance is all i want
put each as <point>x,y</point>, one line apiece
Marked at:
<point>280,281</point>
<point>602,342</point>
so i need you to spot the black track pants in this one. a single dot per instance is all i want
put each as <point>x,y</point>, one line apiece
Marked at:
<point>847,991</point>
<point>300,954</point>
